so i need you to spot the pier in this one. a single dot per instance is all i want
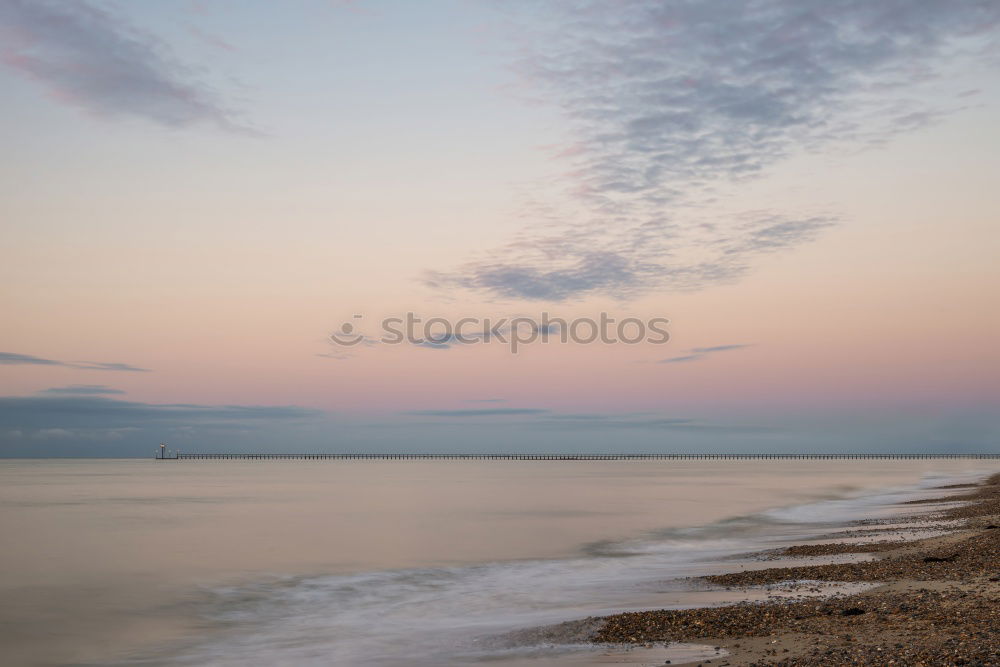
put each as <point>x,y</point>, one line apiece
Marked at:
<point>564,457</point>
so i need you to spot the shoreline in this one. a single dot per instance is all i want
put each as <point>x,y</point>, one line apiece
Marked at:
<point>934,600</point>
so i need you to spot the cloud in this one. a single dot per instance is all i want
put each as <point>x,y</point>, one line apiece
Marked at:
<point>484,412</point>
<point>15,359</point>
<point>717,348</point>
<point>583,417</point>
<point>444,340</point>
<point>86,413</point>
<point>554,421</point>
<point>640,421</point>
<point>505,330</point>
<point>596,270</point>
<point>104,366</point>
<point>90,58</point>
<point>486,400</point>
<point>53,424</point>
<point>82,390</point>
<point>12,358</point>
<point>682,359</point>
<point>700,353</point>
<point>671,103</point>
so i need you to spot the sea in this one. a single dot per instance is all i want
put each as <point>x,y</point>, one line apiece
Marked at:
<point>395,562</point>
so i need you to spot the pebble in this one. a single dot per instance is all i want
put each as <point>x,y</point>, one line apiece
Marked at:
<point>955,621</point>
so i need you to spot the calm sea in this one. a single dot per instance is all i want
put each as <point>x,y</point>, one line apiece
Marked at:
<point>388,562</point>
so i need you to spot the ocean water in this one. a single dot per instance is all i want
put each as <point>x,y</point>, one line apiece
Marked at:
<point>124,562</point>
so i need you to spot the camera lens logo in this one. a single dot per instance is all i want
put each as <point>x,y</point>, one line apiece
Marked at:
<point>347,335</point>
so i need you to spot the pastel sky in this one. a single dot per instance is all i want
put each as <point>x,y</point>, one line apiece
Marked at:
<point>195,194</point>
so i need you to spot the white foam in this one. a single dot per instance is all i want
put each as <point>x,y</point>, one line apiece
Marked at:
<point>435,616</point>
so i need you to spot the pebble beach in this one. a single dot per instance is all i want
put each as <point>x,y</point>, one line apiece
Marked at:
<point>934,601</point>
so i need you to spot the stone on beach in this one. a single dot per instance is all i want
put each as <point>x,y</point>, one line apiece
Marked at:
<point>939,603</point>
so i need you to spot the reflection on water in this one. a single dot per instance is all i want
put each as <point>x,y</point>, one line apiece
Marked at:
<point>363,562</point>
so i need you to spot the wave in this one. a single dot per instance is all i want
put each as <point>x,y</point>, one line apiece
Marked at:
<point>454,615</point>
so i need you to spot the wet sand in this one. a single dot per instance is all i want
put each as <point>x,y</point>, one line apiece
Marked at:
<point>937,600</point>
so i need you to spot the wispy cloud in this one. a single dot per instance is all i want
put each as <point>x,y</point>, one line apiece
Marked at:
<point>15,359</point>
<point>593,421</point>
<point>634,421</point>
<point>104,366</point>
<point>671,101</point>
<point>697,353</point>
<point>12,358</point>
<point>717,348</point>
<point>541,418</point>
<point>484,412</point>
<point>444,340</point>
<point>90,57</point>
<point>502,330</point>
<point>579,417</point>
<point>82,390</point>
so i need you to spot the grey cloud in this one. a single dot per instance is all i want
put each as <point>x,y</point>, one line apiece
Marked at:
<point>675,425</point>
<point>484,412</point>
<point>605,271</point>
<point>578,417</point>
<point>82,390</point>
<point>682,359</point>
<point>543,418</point>
<point>671,102</point>
<point>642,421</point>
<point>89,57</point>
<point>501,330</point>
<point>700,353</point>
<point>514,280</point>
<point>94,425</point>
<point>717,348</point>
<point>14,359</point>
<point>644,256</point>
<point>73,413</point>
<point>439,343</point>
<point>103,366</point>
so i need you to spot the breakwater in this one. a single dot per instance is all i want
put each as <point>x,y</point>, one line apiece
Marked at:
<point>565,457</point>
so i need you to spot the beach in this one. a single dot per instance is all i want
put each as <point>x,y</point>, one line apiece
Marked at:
<point>570,333</point>
<point>935,603</point>
<point>436,563</point>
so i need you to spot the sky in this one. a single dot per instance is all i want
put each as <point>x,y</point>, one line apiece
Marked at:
<point>199,199</point>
